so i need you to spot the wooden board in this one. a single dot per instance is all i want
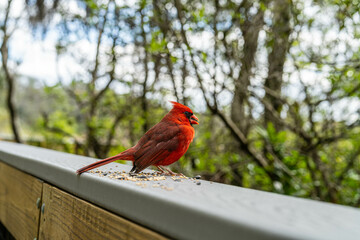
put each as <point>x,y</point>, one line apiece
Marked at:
<point>18,195</point>
<point>68,217</point>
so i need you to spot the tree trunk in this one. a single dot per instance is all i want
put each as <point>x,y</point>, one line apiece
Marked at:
<point>144,104</point>
<point>276,59</point>
<point>10,93</point>
<point>8,77</point>
<point>250,30</point>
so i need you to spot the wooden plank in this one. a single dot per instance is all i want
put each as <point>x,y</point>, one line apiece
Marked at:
<point>18,195</point>
<point>68,217</point>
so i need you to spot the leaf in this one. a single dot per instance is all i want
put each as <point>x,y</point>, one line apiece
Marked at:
<point>203,56</point>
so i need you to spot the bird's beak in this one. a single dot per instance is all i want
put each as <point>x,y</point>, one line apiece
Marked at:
<point>194,120</point>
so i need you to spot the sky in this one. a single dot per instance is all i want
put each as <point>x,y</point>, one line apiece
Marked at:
<point>38,58</point>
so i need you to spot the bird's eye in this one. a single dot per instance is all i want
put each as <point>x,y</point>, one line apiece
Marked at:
<point>188,114</point>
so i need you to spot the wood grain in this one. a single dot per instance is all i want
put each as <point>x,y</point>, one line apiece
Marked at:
<point>68,217</point>
<point>18,195</point>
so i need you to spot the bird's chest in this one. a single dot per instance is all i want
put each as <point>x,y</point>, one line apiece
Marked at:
<point>184,141</point>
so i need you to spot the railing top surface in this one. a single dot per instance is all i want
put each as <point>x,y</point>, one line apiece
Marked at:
<point>186,210</point>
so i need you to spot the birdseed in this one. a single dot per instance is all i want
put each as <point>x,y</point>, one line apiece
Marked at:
<point>139,177</point>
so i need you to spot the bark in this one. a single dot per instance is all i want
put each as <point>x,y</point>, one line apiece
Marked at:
<point>276,59</point>
<point>10,80</point>
<point>144,104</point>
<point>250,31</point>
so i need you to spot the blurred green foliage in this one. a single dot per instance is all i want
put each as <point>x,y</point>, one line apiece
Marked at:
<point>144,53</point>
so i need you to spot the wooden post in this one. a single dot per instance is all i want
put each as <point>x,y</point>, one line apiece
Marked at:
<point>20,196</point>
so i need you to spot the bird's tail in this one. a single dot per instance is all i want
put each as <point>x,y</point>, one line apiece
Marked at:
<point>126,155</point>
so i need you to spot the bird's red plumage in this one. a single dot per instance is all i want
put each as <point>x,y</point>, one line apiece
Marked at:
<point>162,145</point>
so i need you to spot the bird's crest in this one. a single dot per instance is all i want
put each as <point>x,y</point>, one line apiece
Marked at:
<point>179,106</point>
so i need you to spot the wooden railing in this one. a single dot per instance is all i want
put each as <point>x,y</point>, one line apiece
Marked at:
<point>41,197</point>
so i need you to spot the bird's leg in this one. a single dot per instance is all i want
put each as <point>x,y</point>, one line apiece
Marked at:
<point>133,170</point>
<point>161,170</point>
<point>168,172</point>
<point>171,173</point>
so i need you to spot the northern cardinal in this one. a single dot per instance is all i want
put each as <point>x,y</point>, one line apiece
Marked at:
<point>162,145</point>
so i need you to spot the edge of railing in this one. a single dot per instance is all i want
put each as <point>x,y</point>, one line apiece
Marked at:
<point>189,210</point>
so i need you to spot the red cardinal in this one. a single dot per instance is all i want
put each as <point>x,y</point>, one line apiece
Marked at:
<point>162,145</point>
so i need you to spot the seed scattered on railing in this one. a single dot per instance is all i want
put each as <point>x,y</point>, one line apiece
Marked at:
<point>143,185</point>
<point>141,178</point>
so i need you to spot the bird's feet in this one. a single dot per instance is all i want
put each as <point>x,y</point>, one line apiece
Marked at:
<point>161,171</point>
<point>167,172</point>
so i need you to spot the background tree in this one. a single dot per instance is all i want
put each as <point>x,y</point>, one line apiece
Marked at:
<point>276,85</point>
<point>8,26</point>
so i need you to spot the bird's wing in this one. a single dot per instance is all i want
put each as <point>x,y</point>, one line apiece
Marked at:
<point>157,144</point>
